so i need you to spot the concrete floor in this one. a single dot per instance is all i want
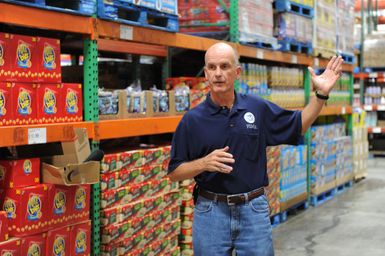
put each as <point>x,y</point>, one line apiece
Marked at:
<point>351,224</point>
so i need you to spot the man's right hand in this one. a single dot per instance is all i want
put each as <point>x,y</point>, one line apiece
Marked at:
<point>218,161</point>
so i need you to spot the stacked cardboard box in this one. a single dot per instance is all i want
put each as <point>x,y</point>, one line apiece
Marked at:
<point>187,215</point>
<point>360,146</point>
<point>140,207</point>
<point>274,175</point>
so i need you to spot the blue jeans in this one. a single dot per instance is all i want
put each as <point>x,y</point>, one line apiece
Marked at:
<point>219,228</point>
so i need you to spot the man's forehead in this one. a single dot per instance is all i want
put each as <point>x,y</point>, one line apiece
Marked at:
<point>214,61</point>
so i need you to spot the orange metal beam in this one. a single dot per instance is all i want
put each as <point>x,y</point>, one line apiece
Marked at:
<point>336,110</point>
<point>110,129</point>
<point>18,135</point>
<point>45,19</point>
<point>111,45</point>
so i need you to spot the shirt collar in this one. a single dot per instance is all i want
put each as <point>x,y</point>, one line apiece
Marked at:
<point>239,104</point>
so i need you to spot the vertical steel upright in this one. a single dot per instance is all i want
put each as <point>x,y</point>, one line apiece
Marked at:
<point>91,113</point>
<point>234,29</point>
<point>307,88</point>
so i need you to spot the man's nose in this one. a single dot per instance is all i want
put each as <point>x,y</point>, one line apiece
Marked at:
<point>218,71</point>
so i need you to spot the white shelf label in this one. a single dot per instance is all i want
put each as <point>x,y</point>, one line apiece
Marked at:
<point>294,59</point>
<point>126,32</point>
<point>368,107</point>
<point>259,54</point>
<point>343,110</point>
<point>316,62</point>
<point>37,135</point>
<point>373,75</point>
<point>381,107</point>
<point>376,129</point>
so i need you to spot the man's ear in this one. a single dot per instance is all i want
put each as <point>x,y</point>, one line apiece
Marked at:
<point>239,72</point>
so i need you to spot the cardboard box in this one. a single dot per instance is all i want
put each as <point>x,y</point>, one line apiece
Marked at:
<point>81,239</point>
<point>6,99</point>
<point>48,60</point>
<point>70,168</point>
<point>27,210</point>
<point>10,247</point>
<point>24,104</point>
<point>19,173</point>
<point>3,226</point>
<point>80,201</point>
<point>58,242</point>
<point>73,102</point>
<point>49,103</point>
<point>23,58</point>
<point>5,64</point>
<point>34,245</point>
<point>59,200</point>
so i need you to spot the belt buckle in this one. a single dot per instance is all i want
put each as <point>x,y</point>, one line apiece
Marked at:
<point>229,200</point>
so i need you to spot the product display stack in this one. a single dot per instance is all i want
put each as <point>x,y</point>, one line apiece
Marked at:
<point>340,96</point>
<point>274,175</point>
<point>293,182</point>
<point>360,146</point>
<point>140,208</point>
<point>344,161</point>
<point>45,218</point>
<point>325,28</point>
<point>323,158</point>
<point>30,83</point>
<point>187,216</point>
<point>345,29</point>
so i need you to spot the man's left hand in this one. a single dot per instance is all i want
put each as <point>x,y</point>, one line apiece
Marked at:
<point>325,82</point>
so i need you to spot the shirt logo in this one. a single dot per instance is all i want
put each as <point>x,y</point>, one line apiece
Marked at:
<point>249,117</point>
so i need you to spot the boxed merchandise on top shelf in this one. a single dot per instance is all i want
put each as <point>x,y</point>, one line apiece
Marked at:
<point>345,30</point>
<point>325,28</point>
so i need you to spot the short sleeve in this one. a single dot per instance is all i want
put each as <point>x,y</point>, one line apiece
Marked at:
<point>282,126</point>
<point>179,146</point>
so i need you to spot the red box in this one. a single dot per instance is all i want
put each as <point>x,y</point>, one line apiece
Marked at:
<point>23,58</point>
<point>58,242</point>
<point>3,226</point>
<point>73,102</point>
<point>59,205</point>
<point>5,65</point>
<point>48,59</point>
<point>24,104</point>
<point>80,202</point>
<point>19,173</point>
<point>81,239</point>
<point>34,245</point>
<point>49,103</point>
<point>10,247</point>
<point>6,113</point>
<point>26,210</point>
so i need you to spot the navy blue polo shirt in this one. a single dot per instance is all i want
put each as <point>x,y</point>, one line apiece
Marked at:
<point>252,124</point>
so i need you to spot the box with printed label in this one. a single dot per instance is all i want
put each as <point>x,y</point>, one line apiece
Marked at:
<point>168,6</point>
<point>19,173</point>
<point>24,104</point>
<point>33,245</point>
<point>48,60</point>
<point>10,247</point>
<point>27,210</point>
<point>130,159</point>
<point>72,102</point>
<point>81,239</point>
<point>80,201</point>
<point>5,64</point>
<point>49,103</point>
<point>3,226</point>
<point>6,113</point>
<point>58,242</point>
<point>23,58</point>
<point>59,204</point>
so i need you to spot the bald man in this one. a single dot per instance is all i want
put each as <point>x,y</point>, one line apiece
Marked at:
<point>222,143</point>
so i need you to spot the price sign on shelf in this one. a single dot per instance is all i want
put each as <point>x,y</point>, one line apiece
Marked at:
<point>381,107</point>
<point>294,59</point>
<point>368,107</point>
<point>316,62</point>
<point>373,75</point>
<point>37,135</point>
<point>343,110</point>
<point>376,130</point>
<point>126,32</point>
<point>259,54</point>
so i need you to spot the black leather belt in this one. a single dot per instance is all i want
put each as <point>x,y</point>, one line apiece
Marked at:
<point>232,199</point>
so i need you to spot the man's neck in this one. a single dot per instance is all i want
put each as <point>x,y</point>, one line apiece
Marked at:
<point>223,100</point>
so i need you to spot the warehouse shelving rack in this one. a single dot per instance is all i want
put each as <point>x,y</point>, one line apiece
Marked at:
<point>100,35</point>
